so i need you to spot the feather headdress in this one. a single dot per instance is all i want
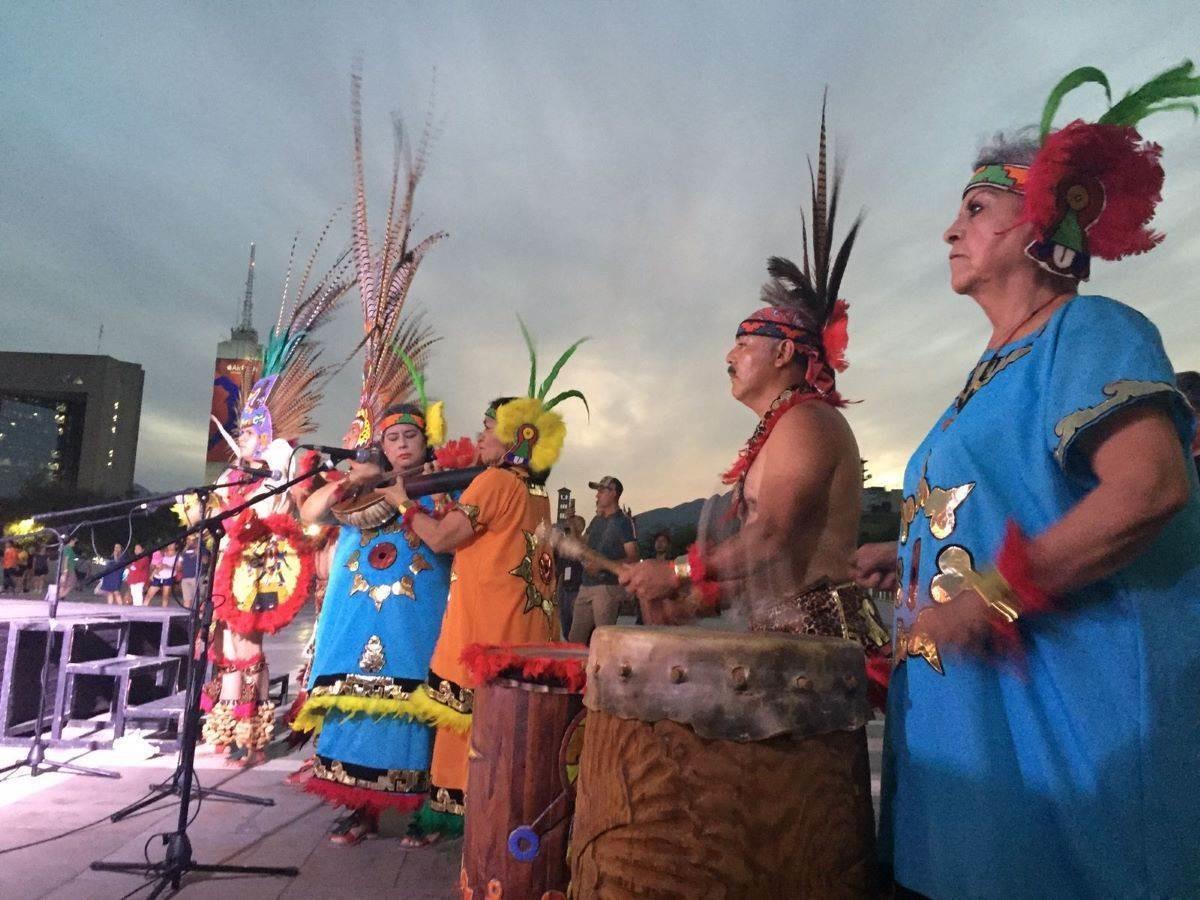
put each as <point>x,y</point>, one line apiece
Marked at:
<point>528,426</point>
<point>280,403</point>
<point>803,303</point>
<point>385,275</point>
<point>1093,188</point>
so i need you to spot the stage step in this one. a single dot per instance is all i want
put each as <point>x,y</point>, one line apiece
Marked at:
<point>121,664</point>
<point>123,669</point>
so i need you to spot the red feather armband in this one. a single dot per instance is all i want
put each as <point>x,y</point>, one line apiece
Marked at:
<point>692,569</point>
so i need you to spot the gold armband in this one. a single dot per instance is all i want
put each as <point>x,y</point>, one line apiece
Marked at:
<point>683,570</point>
<point>998,594</point>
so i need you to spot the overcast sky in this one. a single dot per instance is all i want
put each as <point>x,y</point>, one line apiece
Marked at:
<point>618,170</point>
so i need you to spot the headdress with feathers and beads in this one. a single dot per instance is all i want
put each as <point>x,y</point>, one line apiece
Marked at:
<point>528,426</point>
<point>1093,187</point>
<point>395,343</point>
<point>803,303</point>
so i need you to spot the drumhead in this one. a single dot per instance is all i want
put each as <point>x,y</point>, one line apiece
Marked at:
<point>728,685</point>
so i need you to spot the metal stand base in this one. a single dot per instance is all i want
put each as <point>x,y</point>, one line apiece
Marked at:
<point>178,862</point>
<point>173,788</point>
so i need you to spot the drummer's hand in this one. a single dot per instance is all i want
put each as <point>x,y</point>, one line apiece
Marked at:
<point>962,622</point>
<point>874,566</point>
<point>668,611</point>
<point>650,579</point>
<point>363,472</point>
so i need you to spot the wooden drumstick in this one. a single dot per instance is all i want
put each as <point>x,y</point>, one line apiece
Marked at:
<point>572,548</point>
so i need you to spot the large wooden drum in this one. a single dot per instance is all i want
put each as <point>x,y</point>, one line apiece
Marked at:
<point>725,765</point>
<point>520,784</point>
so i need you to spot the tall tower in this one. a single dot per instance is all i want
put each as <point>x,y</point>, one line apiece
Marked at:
<point>238,362</point>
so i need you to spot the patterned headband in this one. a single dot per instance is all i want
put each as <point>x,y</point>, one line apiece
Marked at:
<point>401,418</point>
<point>1005,177</point>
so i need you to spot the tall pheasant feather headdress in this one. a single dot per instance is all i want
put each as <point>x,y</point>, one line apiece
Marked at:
<point>1093,187</point>
<point>395,344</point>
<point>279,405</point>
<point>804,306</point>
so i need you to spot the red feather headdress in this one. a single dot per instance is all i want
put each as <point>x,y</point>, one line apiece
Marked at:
<point>1092,189</point>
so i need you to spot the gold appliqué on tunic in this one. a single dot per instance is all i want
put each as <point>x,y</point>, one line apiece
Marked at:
<point>1118,393</point>
<point>940,506</point>
<point>373,657</point>
<point>419,564</point>
<point>393,781</point>
<point>985,371</point>
<point>462,701</point>
<point>380,687</point>
<point>915,643</point>
<point>443,801</point>
<point>536,569</point>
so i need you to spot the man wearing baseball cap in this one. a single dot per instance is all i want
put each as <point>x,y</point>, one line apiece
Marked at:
<point>609,534</point>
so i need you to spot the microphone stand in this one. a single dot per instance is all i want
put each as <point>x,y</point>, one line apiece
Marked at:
<point>35,759</point>
<point>173,786</point>
<point>178,860</point>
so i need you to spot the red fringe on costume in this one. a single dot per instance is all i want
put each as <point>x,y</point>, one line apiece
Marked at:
<point>373,802</point>
<point>249,529</point>
<point>487,662</point>
<point>1127,167</point>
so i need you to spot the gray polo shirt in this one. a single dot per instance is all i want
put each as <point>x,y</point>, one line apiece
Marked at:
<point>607,535</point>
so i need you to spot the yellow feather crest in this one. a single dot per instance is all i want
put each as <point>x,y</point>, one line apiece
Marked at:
<point>435,424</point>
<point>551,430</point>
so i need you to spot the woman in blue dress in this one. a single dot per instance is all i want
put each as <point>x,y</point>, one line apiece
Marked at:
<point>377,629</point>
<point>110,584</point>
<point>1043,724</point>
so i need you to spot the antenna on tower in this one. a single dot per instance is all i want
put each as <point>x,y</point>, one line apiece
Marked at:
<point>244,330</point>
<point>248,300</point>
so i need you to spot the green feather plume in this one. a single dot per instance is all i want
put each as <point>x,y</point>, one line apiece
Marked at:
<point>562,361</point>
<point>1161,93</point>
<point>418,379</point>
<point>1071,81</point>
<point>570,395</point>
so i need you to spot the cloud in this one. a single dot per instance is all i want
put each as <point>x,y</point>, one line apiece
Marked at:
<point>619,170</point>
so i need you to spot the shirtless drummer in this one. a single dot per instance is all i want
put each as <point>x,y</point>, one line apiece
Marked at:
<point>797,483</point>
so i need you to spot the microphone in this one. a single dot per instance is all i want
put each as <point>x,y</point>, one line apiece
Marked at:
<point>337,454</point>
<point>260,472</point>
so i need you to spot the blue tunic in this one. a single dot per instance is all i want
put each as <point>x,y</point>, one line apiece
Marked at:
<point>376,632</point>
<point>1076,775</point>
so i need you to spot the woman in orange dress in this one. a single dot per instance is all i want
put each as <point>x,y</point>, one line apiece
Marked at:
<point>502,583</point>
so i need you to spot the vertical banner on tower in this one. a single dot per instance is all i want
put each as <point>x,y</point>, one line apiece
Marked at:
<point>227,399</point>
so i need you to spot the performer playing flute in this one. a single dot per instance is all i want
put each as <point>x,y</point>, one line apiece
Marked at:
<point>387,590</point>
<point>1042,724</point>
<point>502,589</point>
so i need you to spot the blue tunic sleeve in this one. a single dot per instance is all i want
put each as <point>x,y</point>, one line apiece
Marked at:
<point>1106,357</point>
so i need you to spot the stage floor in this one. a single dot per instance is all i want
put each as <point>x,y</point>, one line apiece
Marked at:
<point>294,832</point>
<point>65,820</point>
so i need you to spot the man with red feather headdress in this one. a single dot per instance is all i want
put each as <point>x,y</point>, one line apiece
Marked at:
<point>797,482</point>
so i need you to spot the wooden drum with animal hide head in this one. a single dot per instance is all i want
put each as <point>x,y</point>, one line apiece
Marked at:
<point>521,766</point>
<point>723,764</point>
